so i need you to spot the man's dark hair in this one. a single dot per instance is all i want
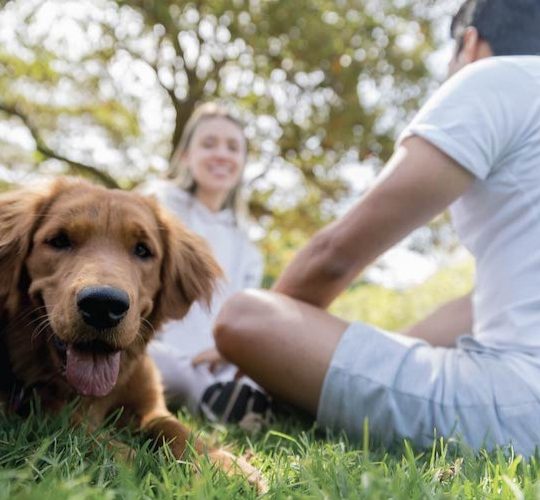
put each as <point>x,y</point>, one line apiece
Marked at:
<point>511,27</point>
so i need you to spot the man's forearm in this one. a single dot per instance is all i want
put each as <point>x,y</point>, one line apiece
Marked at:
<point>316,275</point>
<point>419,182</point>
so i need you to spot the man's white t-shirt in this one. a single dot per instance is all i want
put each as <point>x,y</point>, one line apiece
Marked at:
<point>487,118</point>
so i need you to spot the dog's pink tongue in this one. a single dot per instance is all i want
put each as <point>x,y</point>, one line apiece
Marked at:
<point>90,373</point>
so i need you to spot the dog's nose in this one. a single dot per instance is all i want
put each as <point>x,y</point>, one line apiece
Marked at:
<point>102,307</point>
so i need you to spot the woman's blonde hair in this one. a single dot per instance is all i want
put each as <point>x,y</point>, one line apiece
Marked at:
<point>179,171</point>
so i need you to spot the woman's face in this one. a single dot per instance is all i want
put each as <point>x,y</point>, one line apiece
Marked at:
<point>216,156</point>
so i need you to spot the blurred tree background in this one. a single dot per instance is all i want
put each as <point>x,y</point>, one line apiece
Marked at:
<point>103,89</point>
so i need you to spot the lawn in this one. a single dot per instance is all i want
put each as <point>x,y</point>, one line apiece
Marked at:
<point>42,457</point>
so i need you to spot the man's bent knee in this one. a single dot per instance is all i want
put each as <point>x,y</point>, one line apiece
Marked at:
<point>239,319</point>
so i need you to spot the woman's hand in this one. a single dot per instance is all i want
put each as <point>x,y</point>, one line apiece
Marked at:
<point>214,360</point>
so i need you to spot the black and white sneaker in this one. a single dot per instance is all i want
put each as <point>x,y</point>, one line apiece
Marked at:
<point>236,402</point>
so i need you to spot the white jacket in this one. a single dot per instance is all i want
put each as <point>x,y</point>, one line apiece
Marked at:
<point>239,258</point>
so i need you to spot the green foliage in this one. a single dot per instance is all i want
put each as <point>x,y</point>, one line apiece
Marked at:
<point>395,309</point>
<point>320,83</point>
<point>37,69</point>
<point>4,186</point>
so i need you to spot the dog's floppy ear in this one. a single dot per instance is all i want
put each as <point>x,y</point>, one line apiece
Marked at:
<point>20,212</point>
<point>189,271</point>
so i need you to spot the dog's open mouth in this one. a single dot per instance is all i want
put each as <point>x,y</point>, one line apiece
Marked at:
<point>91,368</point>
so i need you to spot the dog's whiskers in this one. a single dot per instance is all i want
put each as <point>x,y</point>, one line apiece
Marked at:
<point>146,324</point>
<point>43,326</point>
<point>37,320</point>
<point>20,319</point>
<point>146,331</point>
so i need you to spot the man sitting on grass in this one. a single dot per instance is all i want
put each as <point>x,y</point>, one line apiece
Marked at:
<point>472,368</point>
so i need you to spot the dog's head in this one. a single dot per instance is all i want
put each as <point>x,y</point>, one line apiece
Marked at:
<point>101,270</point>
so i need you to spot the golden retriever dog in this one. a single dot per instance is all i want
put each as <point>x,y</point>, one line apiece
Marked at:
<point>87,275</point>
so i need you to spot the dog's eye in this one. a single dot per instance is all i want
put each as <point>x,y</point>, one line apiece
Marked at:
<point>142,251</point>
<point>61,241</point>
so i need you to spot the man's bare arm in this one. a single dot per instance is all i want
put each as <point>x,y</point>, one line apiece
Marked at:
<point>418,182</point>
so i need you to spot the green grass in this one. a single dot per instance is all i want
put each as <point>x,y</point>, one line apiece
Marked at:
<point>43,457</point>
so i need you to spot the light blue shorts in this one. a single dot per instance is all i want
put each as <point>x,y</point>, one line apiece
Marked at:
<point>408,389</point>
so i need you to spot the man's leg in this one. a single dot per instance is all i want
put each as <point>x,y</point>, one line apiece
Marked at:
<point>284,345</point>
<point>403,386</point>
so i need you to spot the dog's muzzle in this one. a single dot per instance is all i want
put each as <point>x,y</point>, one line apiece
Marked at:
<point>102,307</point>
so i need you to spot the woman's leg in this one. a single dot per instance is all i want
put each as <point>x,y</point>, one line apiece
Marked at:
<point>284,345</point>
<point>184,384</point>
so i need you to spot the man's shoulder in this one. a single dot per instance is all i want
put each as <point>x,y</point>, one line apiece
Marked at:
<point>500,79</point>
<point>500,70</point>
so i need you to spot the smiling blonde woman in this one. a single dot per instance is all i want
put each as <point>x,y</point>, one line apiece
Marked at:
<point>205,193</point>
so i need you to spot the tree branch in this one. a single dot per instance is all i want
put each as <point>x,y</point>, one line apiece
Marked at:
<point>154,15</point>
<point>154,66</point>
<point>75,166</point>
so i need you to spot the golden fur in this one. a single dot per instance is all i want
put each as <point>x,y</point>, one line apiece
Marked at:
<point>55,242</point>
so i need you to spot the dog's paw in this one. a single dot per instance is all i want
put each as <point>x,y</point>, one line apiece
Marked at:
<point>232,464</point>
